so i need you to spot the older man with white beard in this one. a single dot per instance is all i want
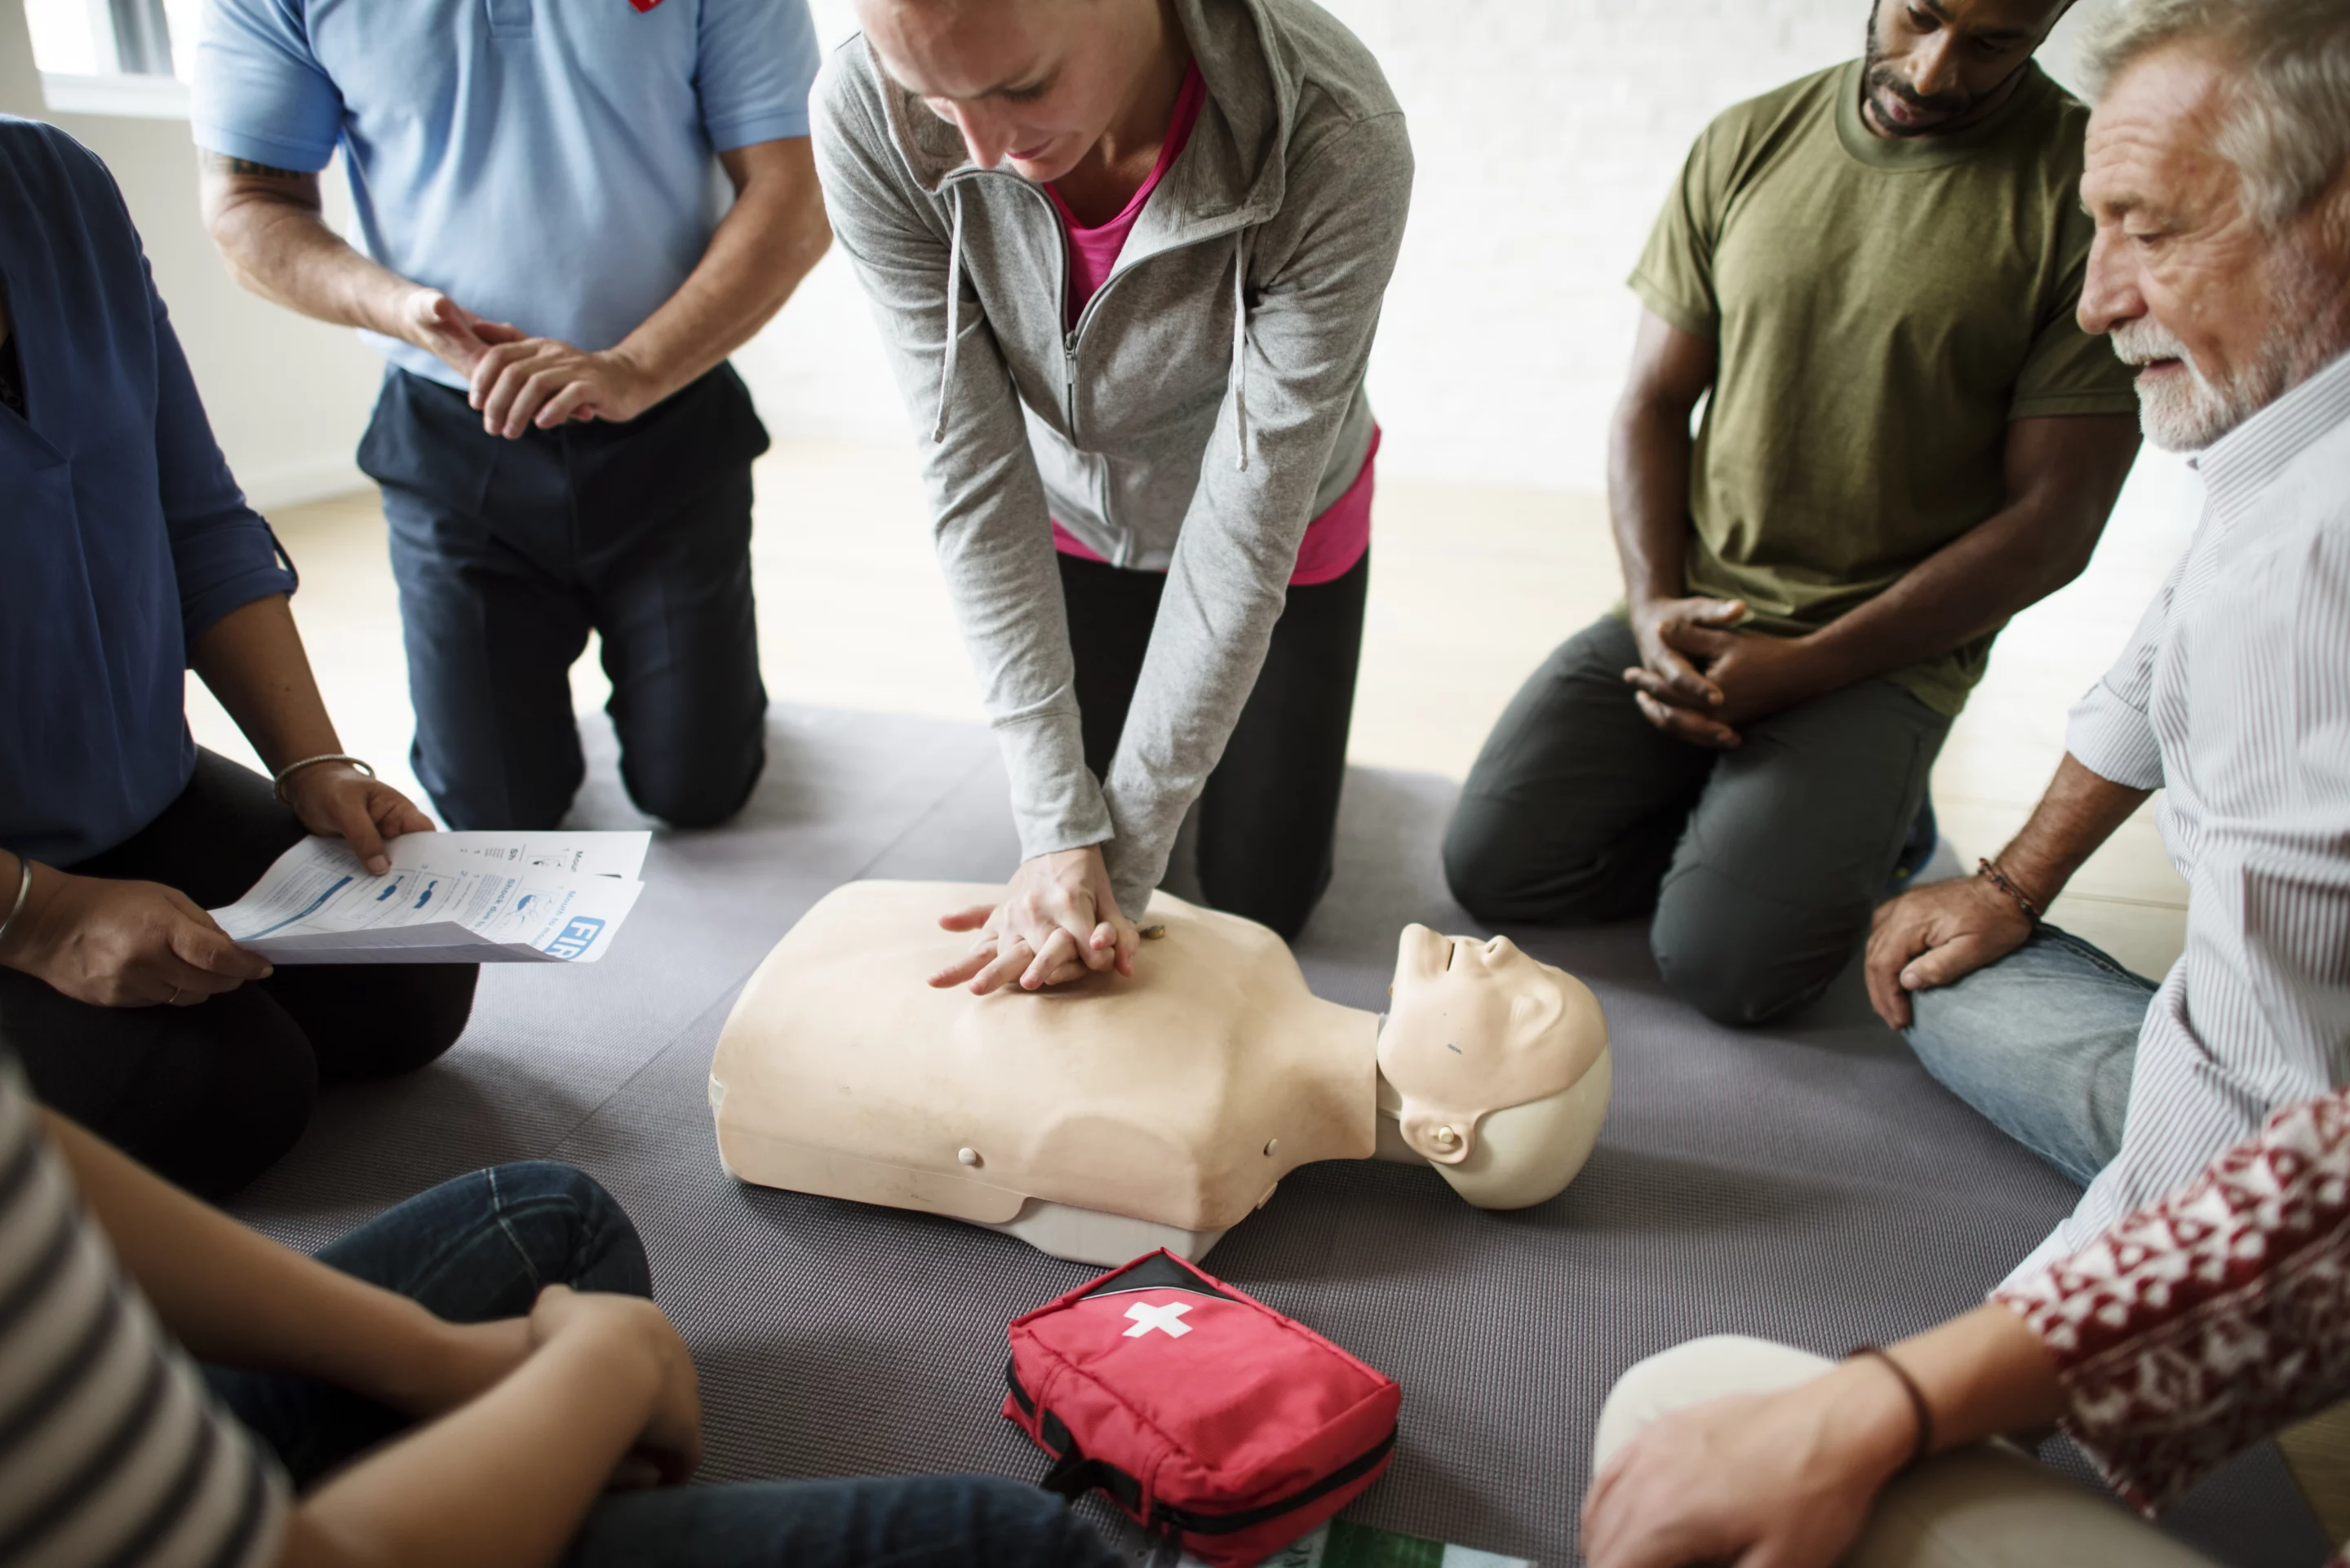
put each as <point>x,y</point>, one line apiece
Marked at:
<point>2196,1300</point>
<point>2217,176</point>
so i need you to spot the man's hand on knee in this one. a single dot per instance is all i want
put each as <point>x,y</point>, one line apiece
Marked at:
<point>1937,936</point>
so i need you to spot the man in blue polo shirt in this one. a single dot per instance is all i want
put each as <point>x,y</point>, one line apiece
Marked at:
<point>555,277</point>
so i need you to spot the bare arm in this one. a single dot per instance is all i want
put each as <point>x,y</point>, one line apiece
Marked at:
<point>534,1414</point>
<point>1790,1478</point>
<point>761,249</point>
<point>270,228</point>
<point>232,1295</point>
<point>253,661</point>
<point>113,943</point>
<point>1938,935</point>
<point>1649,450</point>
<point>2062,477</point>
<point>504,1480</point>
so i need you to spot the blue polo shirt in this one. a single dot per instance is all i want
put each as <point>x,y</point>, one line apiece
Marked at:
<point>122,537</point>
<point>546,162</point>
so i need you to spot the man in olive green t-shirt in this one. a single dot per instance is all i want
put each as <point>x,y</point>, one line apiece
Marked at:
<point>1870,276</point>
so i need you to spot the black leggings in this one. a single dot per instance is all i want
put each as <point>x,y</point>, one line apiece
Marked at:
<point>211,1096</point>
<point>1268,817</point>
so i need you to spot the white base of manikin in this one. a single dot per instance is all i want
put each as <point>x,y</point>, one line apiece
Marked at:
<point>1090,1236</point>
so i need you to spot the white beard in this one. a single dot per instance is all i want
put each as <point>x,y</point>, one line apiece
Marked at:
<point>2190,414</point>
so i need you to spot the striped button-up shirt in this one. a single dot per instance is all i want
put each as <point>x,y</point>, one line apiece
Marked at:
<point>2233,698</point>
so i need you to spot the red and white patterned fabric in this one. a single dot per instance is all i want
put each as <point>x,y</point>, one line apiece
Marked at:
<point>2208,1321</point>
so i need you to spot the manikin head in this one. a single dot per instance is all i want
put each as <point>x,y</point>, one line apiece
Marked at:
<point>2219,174</point>
<point>1939,66</point>
<point>1497,1066</point>
<point>1033,84</point>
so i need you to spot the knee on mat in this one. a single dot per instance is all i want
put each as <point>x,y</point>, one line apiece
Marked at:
<point>693,796</point>
<point>411,1021</point>
<point>219,1109</point>
<point>1689,1374</point>
<point>1485,866</point>
<point>571,1229</point>
<point>1735,977</point>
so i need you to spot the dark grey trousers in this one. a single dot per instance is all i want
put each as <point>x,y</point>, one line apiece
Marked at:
<point>1761,865</point>
<point>509,553</point>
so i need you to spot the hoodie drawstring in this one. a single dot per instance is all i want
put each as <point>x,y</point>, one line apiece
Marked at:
<point>1240,345</point>
<point>954,312</point>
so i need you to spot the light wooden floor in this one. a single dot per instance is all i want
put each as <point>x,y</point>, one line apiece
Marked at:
<point>1470,589</point>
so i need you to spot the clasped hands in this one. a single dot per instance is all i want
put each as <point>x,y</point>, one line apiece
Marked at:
<point>1058,920</point>
<point>118,943</point>
<point>1699,680</point>
<point>519,382</point>
<point>446,1365</point>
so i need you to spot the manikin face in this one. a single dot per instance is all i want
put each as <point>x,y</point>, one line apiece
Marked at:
<point>1937,66</point>
<point>1479,1026</point>
<point>1033,84</point>
<point>2222,315</point>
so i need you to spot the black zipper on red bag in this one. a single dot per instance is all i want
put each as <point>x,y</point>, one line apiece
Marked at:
<point>1072,1475</point>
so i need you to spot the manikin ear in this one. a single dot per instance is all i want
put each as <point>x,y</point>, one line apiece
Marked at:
<point>1421,954</point>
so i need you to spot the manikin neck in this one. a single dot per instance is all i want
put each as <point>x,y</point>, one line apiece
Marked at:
<point>1388,1133</point>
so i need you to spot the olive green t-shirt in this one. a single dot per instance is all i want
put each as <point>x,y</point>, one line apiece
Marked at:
<point>1881,309</point>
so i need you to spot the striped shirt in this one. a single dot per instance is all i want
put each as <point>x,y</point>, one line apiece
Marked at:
<point>111,1451</point>
<point>2233,698</point>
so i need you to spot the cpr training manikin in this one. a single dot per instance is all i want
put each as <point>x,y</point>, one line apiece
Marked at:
<point>1102,1118</point>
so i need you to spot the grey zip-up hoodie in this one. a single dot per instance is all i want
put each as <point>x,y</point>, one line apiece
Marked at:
<point>1208,405</point>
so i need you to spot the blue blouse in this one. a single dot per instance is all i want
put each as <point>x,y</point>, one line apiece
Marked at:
<point>123,537</point>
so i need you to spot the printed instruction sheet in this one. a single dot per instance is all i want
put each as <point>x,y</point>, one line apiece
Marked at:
<point>449,898</point>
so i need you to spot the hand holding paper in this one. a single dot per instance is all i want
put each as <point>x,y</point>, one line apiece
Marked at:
<point>449,898</point>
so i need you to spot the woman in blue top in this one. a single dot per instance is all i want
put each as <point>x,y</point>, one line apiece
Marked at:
<point>129,557</point>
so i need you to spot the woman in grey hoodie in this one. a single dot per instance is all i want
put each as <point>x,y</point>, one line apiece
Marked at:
<point>1128,257</point>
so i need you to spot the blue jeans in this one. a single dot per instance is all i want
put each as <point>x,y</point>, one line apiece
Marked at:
<point>2042,1043</point>
<point>482,1247</point>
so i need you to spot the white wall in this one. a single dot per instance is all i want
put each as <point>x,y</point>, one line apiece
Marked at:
<point>1547,130</point>
<point>1547,133</point>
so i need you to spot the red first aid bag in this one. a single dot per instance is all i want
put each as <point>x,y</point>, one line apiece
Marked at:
<point>1205,1415</point>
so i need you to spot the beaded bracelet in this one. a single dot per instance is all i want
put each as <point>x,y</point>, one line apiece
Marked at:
<point>1923,1448</point>
<point>1998,878</point>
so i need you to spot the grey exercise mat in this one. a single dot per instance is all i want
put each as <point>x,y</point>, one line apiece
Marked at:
<point>1809,1184</point>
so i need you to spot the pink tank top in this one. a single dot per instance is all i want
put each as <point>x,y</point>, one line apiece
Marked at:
<point>1336,540</point>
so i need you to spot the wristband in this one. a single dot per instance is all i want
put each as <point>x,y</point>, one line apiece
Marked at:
<point>23,891</point>
<point>1923,1448</point>
<point>1990,870</point>
<point>277,785</point>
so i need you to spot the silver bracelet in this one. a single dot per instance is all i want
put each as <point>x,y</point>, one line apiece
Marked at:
<point>277,785</point>
<point>23,891</point>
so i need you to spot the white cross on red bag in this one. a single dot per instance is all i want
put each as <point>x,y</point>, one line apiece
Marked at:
<point>1166,1317</point>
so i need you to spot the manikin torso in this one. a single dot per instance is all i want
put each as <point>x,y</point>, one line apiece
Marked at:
<point>1103,1119</point>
